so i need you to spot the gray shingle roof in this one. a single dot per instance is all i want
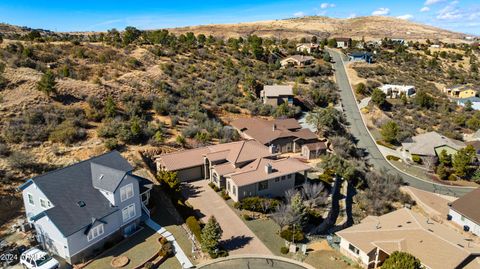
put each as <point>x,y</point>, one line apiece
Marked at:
<point>67,186</point>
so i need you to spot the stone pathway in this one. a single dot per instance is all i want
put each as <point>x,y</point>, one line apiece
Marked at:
<point>179,254</point>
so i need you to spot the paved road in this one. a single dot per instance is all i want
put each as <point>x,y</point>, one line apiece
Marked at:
<point>237,238</point>
<point>358,129</point>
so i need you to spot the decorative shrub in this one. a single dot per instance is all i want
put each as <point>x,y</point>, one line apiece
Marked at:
<point>392,158</point>
<point>194,226</point>
<point>149,265</point>
<point>284,250</point>
<point>258,204</point>
<point>417,159</point>
<point>287,234</point>
<point>247,217</point>
<point>225,195</point>
<point>219,254</point>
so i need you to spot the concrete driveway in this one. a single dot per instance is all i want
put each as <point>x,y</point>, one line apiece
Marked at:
<point>237,238</point>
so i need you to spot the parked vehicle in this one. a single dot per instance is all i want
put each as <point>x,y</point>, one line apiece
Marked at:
<point>35,258</point>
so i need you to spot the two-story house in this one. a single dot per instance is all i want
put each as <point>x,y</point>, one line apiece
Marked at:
<point>77,209</point>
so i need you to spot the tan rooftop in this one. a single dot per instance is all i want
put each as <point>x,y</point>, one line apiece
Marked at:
<point>234,152</point>
<point>277,90</point>
<point>300,58</point>
<point>266,131</point>
<point>468,205</point>
<point>316,145</point>
<point>255,171</point>
<point>436,245</point>
<point>425,144</point>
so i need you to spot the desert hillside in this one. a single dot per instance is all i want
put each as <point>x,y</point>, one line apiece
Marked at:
<point>372,27</point>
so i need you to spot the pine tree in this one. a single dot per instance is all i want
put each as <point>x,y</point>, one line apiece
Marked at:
<point>47,83</point>
<point>401,260</point>
<point>211,234</point>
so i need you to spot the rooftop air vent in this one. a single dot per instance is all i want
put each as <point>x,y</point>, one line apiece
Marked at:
<point>100,177</point>
<point>81,204</point>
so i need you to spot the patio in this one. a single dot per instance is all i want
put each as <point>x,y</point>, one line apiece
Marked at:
<point>138,248</point>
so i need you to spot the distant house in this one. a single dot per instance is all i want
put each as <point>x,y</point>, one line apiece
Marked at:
<point>430,145</point>
<point>76,210</point>
<point>476,145</point>
<point>465,212</point>
<point>399,41</point>
<point>436,245</point>
<point>361,57</point>
<point>275,95</point>
<point>297,60</point>
<point>281,135</point>
<point>475,101</point>
<point>463,91</point>
<point>308,47</point>
<point>314,150</point>
<point>243,168</point>
<point>343,42</point>
<point>395,91</point>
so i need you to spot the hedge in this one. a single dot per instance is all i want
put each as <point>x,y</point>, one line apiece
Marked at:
<point>257,204</point>
<point>194,226</point>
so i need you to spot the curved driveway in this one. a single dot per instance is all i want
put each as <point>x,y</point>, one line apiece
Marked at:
<point>365,140</point>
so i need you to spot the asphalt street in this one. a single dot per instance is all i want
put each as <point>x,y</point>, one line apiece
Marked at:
<point>359,131</point>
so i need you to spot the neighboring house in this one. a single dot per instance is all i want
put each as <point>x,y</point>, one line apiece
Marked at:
<point>196,164</point>
<point>465,212</point>
<point>314,150</point>
<point>475,101</point>
<point>436,245</point>
<point>399,41</point>
<point>463,91</point>
<point>343,42</point>
<point>361,57</point>
<point>308,47</point>
<point>275,95</point>
<point>476,145</point>
<point>430,145</point>
<point>281,135</point>
<point>395,91</point>
<point>77,209</point>
<point>265,177</point>
<point>297,60</point>
<point>238,167</point>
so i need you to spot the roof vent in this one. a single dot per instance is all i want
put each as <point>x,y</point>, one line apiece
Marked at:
<point>81,204</point>
<point>100,177</point>
<point>268,168</point>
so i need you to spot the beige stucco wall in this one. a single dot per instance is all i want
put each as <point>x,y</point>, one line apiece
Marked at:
<point>275,188</point>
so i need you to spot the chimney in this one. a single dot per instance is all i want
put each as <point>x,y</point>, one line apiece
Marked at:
<point>270,149</point>
<point>274,127</point>
<point>268,168</point>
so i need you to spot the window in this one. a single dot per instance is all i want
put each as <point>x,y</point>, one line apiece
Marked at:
<point>234,190</point>
<point>289,176</point>
<point>462,218</point>
<point>284,177</point>
<point>126,192</point>
<point>228,185</point>
<point>263,185</point>
<point>215,178</point>
<point>128,212</point>
<point>277,179</point>
<point>95,232</point>
<point>30,199</point>
<point>43,203</point>
<point>353,249</point>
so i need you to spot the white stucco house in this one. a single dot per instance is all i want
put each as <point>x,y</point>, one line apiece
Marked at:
<point>465,212</point>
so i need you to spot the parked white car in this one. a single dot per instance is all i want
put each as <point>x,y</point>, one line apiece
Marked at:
<point>35,258</point>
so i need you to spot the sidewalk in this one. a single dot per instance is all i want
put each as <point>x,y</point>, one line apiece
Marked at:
<point>179,254</point>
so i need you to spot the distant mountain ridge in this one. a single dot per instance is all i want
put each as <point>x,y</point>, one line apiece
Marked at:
<point>371,27</point>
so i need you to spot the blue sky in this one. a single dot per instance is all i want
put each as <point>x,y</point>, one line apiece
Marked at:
<point>87,15</point>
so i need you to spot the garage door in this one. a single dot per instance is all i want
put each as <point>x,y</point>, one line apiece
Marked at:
<point>190,174</point>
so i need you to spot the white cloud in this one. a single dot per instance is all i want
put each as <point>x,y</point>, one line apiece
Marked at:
<point>383,11</point>
<point>433,2</point>
<point>326,5</point>
<point>425,9</point>
<point>299,14</point>
<point>450,12</point>
<point>405,17</point>
<point>351,16</point>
